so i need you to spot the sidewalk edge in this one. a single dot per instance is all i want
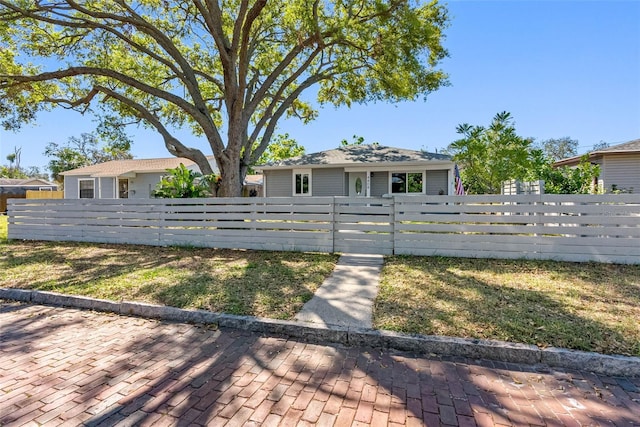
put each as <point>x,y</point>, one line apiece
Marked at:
<point>502,351</point>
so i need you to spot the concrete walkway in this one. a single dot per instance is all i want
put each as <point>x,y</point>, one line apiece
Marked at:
<point>346,297</point>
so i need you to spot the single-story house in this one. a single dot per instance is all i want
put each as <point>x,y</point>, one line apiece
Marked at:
<point>619,166</point>
<point>360,171</point>
<point>11,188</point>
<point>119,179</point>
<point>133,178</point>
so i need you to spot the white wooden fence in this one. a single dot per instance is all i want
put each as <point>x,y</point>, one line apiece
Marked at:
<point>602,228</point>
<point>239,223</point>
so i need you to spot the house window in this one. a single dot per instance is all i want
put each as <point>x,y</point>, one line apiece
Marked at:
<point>407,183</point>
<point>302,183</point>
<point>86,188</point>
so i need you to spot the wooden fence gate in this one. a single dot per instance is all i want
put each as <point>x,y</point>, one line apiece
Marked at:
<point>363,225</point>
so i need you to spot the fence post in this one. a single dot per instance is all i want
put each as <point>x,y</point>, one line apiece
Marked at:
<point>333,224</point>
<point>162,217</point>
<point>392,219</point>
<point>538,205</point>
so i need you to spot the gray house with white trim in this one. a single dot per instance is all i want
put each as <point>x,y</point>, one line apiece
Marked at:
<point>360,171</point>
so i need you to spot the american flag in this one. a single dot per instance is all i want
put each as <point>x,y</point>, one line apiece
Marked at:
<point>458,181</point>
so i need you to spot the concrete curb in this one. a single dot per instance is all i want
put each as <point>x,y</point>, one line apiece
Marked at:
<point>425,344</point>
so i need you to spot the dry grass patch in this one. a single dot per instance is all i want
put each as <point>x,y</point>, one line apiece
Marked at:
<point>269,284</point>
<point>592,307</point>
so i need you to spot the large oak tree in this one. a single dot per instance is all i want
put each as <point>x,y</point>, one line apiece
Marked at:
<point>228,69</point>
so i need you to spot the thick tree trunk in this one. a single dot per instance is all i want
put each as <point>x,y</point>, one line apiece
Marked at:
<point>231,183</point>
<point>229,160</point>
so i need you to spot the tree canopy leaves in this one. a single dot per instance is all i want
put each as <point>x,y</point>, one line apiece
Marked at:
<point>556,149</point>
<point>489,156</point>
<point>15,170</point>
<point>88,149</point>
<point>569,180</point>
<point>228,69</point>
<point>282,147</point>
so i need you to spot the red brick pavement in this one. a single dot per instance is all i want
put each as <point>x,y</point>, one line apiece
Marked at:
<point>70,367</point>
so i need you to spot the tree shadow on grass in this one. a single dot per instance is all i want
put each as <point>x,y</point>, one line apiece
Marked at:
<point>238,282</point>
<point>75,265</point>
<point>459,304</point>
<point>266,286</point>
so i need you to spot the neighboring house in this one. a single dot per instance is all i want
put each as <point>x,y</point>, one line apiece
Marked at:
<point>360,171</point>
<point>619,166</point>
<point>122,179</point>
<point>17,188</point>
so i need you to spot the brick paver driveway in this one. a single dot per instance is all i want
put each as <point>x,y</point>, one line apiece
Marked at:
<point>71,367</point>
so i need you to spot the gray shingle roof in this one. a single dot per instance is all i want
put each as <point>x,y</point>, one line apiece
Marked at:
<point>361,154</point>
<point>624,147</point>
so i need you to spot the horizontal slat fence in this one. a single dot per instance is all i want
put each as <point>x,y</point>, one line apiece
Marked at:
<point>304,224</point>
<point>363,225</point>
<point>604,228</point>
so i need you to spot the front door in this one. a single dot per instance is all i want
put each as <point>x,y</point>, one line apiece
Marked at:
<point>123,188</point>
<point>357,184</point>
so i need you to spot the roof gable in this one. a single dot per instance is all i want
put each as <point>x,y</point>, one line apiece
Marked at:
<point>360,154</point>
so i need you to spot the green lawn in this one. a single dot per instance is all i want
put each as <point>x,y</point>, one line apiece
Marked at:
<point>592,307</point>
<point>268,284</point>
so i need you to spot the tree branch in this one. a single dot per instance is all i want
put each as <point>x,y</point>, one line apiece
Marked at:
<point>173,145</point>
<point>271,126</point>
<point>289,81</point>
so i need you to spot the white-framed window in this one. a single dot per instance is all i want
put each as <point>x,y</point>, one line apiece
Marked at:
<point>407,182</point>
<point>86,188</point>
<point>302,182</point>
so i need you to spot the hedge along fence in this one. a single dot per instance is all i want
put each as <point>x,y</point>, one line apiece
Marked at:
<point>603,228</point>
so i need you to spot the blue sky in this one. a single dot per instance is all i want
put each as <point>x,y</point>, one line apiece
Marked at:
<point>562,68</point>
